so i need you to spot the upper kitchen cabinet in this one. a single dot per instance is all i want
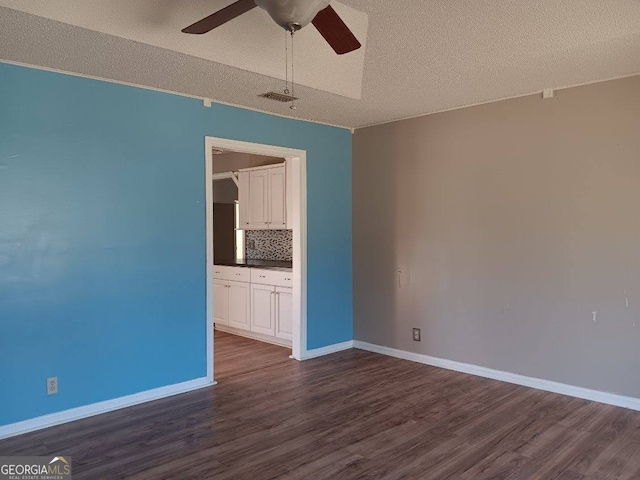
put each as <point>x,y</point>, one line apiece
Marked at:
<point>277,198</point>
<point>259,199</point>
<point>263,198</point>
<point>243,200</point>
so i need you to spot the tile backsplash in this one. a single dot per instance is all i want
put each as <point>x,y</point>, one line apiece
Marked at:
<point>268,244</point>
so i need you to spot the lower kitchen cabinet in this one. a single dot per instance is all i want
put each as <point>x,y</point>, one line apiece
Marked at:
<point>239,305</point>
<point>255,300</point>
<point>220,302</point>
<point>231,302</point>
<point>284,313</point>
<point>271,311</point>
<point>263,309</point>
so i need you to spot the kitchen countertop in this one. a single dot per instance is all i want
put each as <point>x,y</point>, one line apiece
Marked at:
<point>266,264</point>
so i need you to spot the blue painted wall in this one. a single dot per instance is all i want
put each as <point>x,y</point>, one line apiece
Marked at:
<point>102,236</point>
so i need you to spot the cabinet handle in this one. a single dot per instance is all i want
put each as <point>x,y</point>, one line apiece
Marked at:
<point>287,278</point>
<point>262,276</point>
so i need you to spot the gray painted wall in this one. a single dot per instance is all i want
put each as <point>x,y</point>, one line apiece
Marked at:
<point>225,191</point>
<point>224,234</point>
<point>516,221</point>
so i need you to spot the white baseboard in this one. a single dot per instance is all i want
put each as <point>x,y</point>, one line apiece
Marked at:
<point>280,342</point>
<point>319,352</point>
<point>538,383</point>
<point>78,413</point>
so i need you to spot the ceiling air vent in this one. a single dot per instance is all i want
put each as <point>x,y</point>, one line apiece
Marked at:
<point>278,97</point>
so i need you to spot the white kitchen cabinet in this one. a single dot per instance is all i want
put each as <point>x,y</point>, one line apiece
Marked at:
<point>263,309</point>
<point>255,300</point>
<point>243,199</point>
<point>239,303</point>
<point>262,193</point>
<point>231,296</point>
<point>284,313</point>
<point>276,278</point>
<point>220,302</point>
<point>271,311</point>
<point>277,198</point>
<point>259,199</point>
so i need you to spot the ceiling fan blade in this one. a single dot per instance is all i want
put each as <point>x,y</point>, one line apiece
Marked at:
<point>335,32</point>
<point>220,17</point>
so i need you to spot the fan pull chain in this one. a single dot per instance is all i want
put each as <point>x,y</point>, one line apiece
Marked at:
<point>293,85</point>
<point>286,63</point>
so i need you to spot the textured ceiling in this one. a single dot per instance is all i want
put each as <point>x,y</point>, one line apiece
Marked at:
<point>421,56</point>
<point>251,42</point>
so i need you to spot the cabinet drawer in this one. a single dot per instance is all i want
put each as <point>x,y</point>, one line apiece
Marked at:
<point>272,277</point>
<point>236,274</point>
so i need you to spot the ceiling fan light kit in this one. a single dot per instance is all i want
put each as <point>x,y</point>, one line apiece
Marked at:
<point>292,14</point>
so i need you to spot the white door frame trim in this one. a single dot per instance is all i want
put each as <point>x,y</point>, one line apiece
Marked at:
<point>297,172</point>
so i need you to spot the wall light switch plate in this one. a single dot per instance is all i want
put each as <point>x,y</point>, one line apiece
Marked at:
<point>416,334</point>
<point>403,277</point>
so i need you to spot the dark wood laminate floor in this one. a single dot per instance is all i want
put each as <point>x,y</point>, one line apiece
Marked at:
<point>353,414</point>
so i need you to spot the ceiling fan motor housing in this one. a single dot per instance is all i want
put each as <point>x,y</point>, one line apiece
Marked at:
<point>292,12</point>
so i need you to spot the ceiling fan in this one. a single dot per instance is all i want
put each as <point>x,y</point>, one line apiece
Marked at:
<point>292,15</point>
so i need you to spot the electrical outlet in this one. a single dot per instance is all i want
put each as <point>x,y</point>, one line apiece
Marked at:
<point>52,385</point>
<point>416,334</point>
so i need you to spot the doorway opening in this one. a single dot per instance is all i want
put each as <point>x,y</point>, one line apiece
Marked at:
<point>256,244</point>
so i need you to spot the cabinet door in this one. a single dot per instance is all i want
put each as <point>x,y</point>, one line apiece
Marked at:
<point>262,309</point>
<point>284,313</point>
<point>243,200</point>
<point>239,303</point>
<point>277,198</point>
<point>220,303</point>
<point>258,199</point>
